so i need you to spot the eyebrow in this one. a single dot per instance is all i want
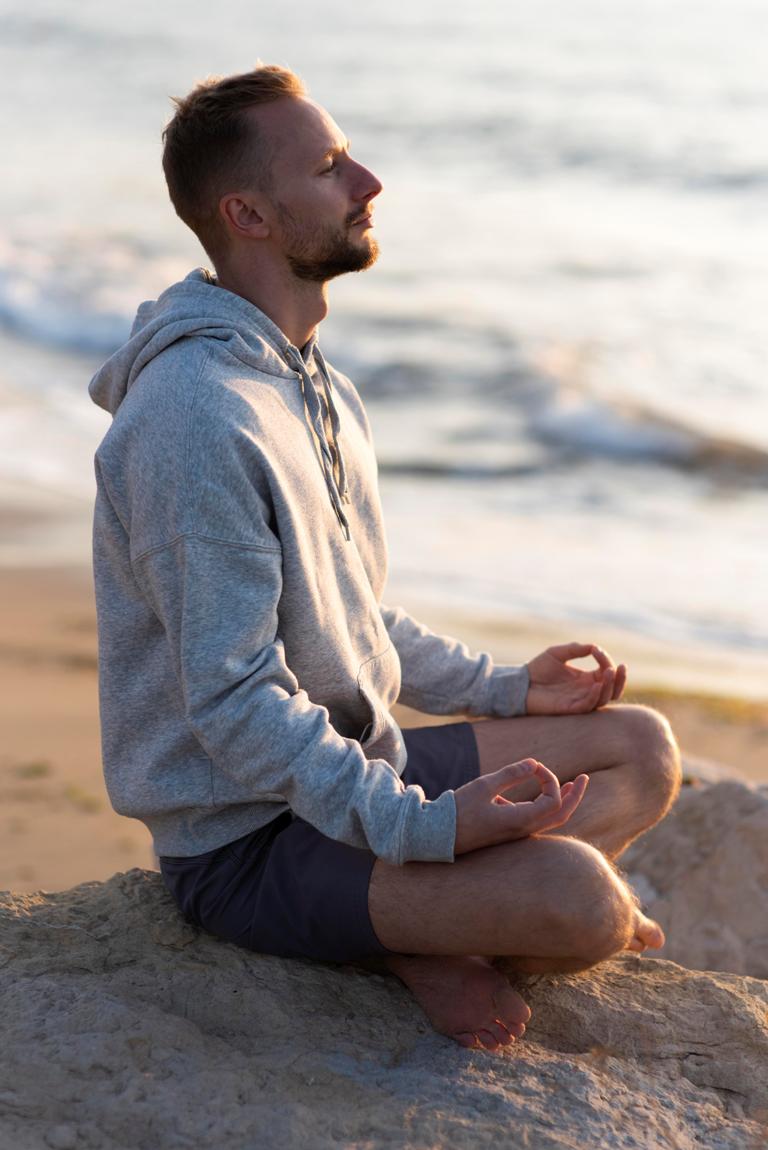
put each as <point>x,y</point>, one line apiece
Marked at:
<point>337,150</point>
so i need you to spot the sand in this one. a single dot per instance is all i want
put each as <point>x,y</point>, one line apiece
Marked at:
<point>56,826</point>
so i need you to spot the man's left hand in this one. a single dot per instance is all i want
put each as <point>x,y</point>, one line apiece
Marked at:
<point>557,689</point>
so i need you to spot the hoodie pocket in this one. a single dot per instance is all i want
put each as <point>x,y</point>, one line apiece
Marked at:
<point>378,682</point>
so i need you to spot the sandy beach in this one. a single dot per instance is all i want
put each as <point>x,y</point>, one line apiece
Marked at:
<point>58,828</point>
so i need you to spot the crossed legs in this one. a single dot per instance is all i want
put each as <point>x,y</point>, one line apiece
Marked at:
<point>547,902</point>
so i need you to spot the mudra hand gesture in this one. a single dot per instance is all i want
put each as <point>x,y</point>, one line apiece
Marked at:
<point>485,818</point>
<point>557,689</point>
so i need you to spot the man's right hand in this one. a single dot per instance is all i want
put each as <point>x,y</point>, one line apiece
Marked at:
<point>485,818</point>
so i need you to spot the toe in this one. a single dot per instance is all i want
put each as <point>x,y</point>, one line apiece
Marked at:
<point>648,933</point>
<point>503,1032</point>
<point>655,936</point>
<point>488,1038</point>
<point>513,1010</point>
<point>464,1038</point>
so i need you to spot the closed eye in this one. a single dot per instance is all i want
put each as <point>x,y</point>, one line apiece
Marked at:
<point>333,159</point>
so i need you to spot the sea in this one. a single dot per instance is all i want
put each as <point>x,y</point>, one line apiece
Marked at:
<point>563,347</point>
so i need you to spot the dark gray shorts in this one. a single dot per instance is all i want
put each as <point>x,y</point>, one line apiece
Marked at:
<point>287,889</point>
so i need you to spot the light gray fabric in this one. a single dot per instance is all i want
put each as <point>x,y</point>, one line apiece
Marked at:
<point>246,663</point>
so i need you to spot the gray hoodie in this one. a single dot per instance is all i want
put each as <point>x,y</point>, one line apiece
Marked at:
<point>247,664</point>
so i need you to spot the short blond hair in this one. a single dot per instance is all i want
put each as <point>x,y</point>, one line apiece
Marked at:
<point>211,147</point>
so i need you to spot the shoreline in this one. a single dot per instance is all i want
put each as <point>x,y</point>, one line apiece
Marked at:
<point>654,666</point>
<point>58,828</point>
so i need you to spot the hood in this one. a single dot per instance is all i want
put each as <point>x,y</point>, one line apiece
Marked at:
<point>198,306</point>
<point>195,306</point>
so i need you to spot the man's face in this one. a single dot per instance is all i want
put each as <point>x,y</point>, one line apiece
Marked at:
<point>320,196</point>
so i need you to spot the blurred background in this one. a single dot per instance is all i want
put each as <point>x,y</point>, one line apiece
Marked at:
<point>562,347</point>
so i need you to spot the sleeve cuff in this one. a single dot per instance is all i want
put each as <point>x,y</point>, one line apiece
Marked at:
<point>429,829</point>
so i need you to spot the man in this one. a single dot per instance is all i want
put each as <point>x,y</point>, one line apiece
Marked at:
<point>248,665</point>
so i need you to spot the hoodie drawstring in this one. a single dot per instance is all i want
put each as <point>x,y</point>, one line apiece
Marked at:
<point>335,424</point>
<point>314,412</point>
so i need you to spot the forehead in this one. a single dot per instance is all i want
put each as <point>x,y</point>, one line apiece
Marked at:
<point>297,131</point>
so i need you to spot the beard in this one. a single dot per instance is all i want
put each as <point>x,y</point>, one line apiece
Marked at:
<point>320,254</point>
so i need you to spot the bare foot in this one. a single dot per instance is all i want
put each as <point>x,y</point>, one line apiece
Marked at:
<point>647,934</point>
<point>465,998</point>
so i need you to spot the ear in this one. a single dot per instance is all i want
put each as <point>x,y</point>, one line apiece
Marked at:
<point>242,215</point>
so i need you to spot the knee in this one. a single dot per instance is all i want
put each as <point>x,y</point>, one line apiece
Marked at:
<point>597,909</point>
<point>651,746</point>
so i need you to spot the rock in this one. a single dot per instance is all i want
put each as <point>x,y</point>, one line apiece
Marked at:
<point>126,1029</point>
<point>62,1138</point>
<point>703,874</point>
<point>699,770</point>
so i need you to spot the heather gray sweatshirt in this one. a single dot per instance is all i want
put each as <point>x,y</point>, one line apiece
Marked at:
<point>246,662</point>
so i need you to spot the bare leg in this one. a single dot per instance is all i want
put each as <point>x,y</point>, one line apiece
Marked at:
<point>633,763</point>
<point>628,752</point>
<point>551,899</point>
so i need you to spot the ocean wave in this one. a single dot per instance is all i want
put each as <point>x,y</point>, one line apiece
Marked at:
<point>500,415</point>
<point>80,292</point>
<point>568,430</point>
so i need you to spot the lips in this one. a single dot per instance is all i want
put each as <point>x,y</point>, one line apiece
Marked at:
<point>366,219</point>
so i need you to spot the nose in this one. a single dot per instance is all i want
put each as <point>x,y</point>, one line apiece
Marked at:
<point>367,186</point>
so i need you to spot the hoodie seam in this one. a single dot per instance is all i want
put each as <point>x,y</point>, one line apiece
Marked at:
<point>188,434</point>
<point>234,543</point>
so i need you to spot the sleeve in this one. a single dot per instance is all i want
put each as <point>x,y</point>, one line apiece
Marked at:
<point>266,740</point>
<point>440,676</point>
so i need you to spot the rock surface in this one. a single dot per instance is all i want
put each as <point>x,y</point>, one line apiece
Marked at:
<point>126,1029</point>
<point>703,874</point>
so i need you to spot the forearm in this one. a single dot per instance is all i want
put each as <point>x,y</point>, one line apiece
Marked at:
<point>440,675</point>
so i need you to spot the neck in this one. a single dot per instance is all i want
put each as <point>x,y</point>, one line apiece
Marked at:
<point>296,306</point>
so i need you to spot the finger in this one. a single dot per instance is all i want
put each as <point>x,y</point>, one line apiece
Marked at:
<point>602,658</point>
<point>524,818</point>
<point>508,776</point>
<point>550,809</point>
<point>606,691</point>
<point>576,793</point>
<point>565,651</point>
<point>568,806</point>
<point>549,783</point>
<point>620,682</point>
<point>583,704</point>
<point>548,797</point>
